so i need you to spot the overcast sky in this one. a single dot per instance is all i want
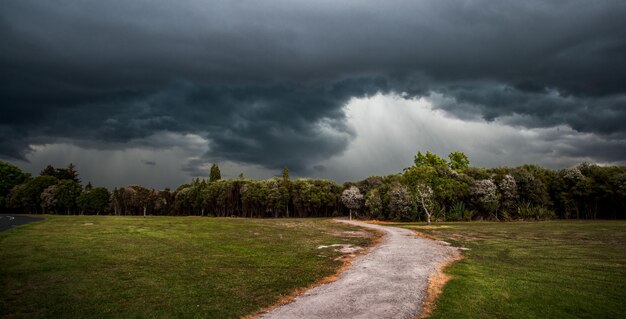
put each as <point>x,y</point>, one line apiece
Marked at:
<point>152,92</point>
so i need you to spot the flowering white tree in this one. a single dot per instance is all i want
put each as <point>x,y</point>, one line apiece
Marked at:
<point>401,203</point>
<point>352,198</point>
<point>485,194</point>
<point>425,199</point>
<point>49,198</point>
<point>508,191</point>
<point>571,175</point>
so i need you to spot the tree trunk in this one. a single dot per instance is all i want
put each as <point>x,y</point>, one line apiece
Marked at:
<point>350,213</point>
<point>144,211</point>
<point>425,210</point>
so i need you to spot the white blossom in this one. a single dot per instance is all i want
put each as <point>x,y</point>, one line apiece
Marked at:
<point>352,198</point>
<point>401,203</point>
<point>485,193</point>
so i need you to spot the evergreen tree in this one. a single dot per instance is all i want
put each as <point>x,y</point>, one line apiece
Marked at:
<point>215,173</point>
<point>69,173</point>
<point>48,171</point>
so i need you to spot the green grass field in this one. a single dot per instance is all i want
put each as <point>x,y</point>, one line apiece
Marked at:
<point>556,269</point>
<point>161,267</point>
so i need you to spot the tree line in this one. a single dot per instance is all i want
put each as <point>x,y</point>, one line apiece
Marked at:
<point>432,189</point>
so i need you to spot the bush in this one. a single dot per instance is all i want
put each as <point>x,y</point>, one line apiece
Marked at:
<point>468,214</point>
<point>456,211</point>
<point>527,211</point>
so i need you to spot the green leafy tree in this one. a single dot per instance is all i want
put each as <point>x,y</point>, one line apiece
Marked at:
<point>429,159</point>
<point>254,195</point>
<point>448,186</point>
<point>530,186</point>
<point>48,171</point>
<point>215,173</point>
<point>458,160</point>
<point>27,196</point>
<point>120,200</point>
<point>10,176</point>
<point>62,173</point>
<point>285,190</point>
<point>141,198</point>
<point>95,200</point>
<point>70,173</point>
<point>66,194</point>
<point>374,204</point>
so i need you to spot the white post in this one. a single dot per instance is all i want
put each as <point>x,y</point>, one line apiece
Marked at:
<point>350,213</point>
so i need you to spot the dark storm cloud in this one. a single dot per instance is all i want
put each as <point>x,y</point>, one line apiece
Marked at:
<point>149,163</point>
<point>266,84</point>
<point>534,107</point>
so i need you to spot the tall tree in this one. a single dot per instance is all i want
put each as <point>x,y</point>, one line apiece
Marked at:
<point>215,173</point>
<point>485,195</point>
<point>508,193</point>
<point>424,196</point>
<point>286,189</point>
<point>95,200</point>
<point>429,160</point>
<point>458,160</point>
<point>352,198</point>
<point>374,204</point>
<point>401,203</point>
<point>49,200</point>
<point>48,171</point>
<point>10,176</point>
<point>68,191</point>
<point>69,173</point>
<point>27,196</point>
<point>141,197</point>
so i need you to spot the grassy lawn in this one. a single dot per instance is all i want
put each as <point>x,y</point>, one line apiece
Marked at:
<point>557,269</point>
<point>161,267</point>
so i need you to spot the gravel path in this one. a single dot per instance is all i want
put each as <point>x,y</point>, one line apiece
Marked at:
<point>388,282</point>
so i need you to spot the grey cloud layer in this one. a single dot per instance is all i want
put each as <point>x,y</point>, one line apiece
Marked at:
<point>265,84</point>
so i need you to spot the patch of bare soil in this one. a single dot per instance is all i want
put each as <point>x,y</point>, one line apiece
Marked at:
<point>436,282</point>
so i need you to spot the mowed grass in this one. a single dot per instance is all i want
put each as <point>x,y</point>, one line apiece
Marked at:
<point>161,267</point>
<point>556,269</point>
